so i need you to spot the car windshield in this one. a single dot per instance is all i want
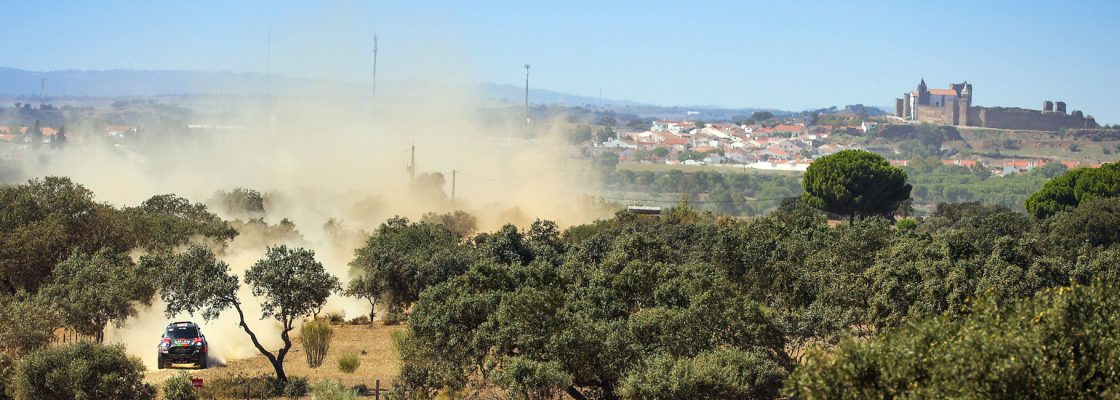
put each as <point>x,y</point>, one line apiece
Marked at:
<point>182,332</point>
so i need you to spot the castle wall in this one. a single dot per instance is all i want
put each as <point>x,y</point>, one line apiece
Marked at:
<point>1019,118</point>
<point>940,115</point>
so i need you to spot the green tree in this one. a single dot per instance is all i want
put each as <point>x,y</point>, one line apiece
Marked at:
<point>118,289</point>
<point>240,202</point>
<point>366,286</point>
<point>639,124</point>
<point>1057,345</point>
<point>1070,189</point>
<point>292,284</point>
<point>604,134</point>
<point>81,371</point>
<point>460,222</point>
<point>855,183</point>
<point>401,259</point>
<point>926,142</point>
<point>27,322</point>
<point>761,116</point>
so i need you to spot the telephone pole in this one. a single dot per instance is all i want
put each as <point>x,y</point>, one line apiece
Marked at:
<point>527,121</point>
<point>453,173</point>
<point>412,165</point>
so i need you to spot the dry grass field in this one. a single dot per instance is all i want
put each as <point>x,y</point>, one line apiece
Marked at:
<point>373,344</point>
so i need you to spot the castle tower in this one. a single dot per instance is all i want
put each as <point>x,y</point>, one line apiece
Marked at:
<point>923,93</point>
<point>907,98</point>
<point>964,105</point>
<point>1047,106</point>
<point>898,108</point>
<point>1060,107</point>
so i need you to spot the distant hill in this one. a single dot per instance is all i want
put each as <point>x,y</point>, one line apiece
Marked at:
<point>125,83</point>
<point>120,83</point>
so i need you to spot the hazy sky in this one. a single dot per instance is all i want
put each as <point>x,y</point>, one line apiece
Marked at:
<point>783,54</point>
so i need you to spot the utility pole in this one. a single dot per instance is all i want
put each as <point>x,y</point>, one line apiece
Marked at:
<point>527,121</point>
<point>412,165</point>
<point>373,105</point>
<point>453,173</point>
<point>42,91</point>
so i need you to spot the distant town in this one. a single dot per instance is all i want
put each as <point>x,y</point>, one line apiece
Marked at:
<point>768,142</point>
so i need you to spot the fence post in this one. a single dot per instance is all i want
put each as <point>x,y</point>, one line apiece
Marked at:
<point>377,389</point>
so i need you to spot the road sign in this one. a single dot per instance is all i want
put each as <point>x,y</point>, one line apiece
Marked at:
<point>196,382</point>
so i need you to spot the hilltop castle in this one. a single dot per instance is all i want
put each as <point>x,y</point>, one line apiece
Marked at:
<point>953,106</point>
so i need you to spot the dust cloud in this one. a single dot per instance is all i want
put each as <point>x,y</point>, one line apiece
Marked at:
<point>318,156</point>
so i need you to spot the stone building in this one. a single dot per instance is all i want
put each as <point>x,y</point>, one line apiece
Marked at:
<point>953,106</point>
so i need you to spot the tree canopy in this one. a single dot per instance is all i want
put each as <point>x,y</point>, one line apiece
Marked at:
<point>855,183</point>
<point>291,283</point>
<point>1074,187</point>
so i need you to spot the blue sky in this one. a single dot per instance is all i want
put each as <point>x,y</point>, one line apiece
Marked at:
<point>783,54</point>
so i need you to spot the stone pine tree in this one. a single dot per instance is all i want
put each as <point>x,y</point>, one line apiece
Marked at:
<point>855,183</point>
<point>291,283</point>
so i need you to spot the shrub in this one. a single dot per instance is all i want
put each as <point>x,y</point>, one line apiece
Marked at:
<point>906,224</point>
<point>240,386</point>
<point>335,318</point>
<point>393,317</point>
<point>363,390</point>
<point>362,320</point>
<point>81,371</point>
<point>721,374</point>
<point>179,387</point>
<point>296,387</point>
<point>327,390</point>
<point>349,363</point>
<point>316,338</point>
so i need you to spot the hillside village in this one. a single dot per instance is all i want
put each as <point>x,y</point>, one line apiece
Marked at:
<point>784,142</point>
<point>784,145</point>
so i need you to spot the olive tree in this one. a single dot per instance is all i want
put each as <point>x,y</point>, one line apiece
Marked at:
<point>855,183</point>
<point>290,282</point>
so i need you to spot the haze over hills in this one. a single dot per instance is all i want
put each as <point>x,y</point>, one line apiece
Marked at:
<point>127,82</point>
<point>124,82</point>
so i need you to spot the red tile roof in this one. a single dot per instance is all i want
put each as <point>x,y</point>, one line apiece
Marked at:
<point>943,92</point>
<point>788,128</point>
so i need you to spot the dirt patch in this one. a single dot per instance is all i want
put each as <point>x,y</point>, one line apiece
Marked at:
<point>373,344</point>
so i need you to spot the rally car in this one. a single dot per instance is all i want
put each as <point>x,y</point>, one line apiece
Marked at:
<point>182,343</point>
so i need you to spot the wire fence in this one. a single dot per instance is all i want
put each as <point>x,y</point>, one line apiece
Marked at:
<point>260,387</point>
<point>66,336</point>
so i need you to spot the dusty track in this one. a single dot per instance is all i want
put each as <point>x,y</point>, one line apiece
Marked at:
<point>380,360</point>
